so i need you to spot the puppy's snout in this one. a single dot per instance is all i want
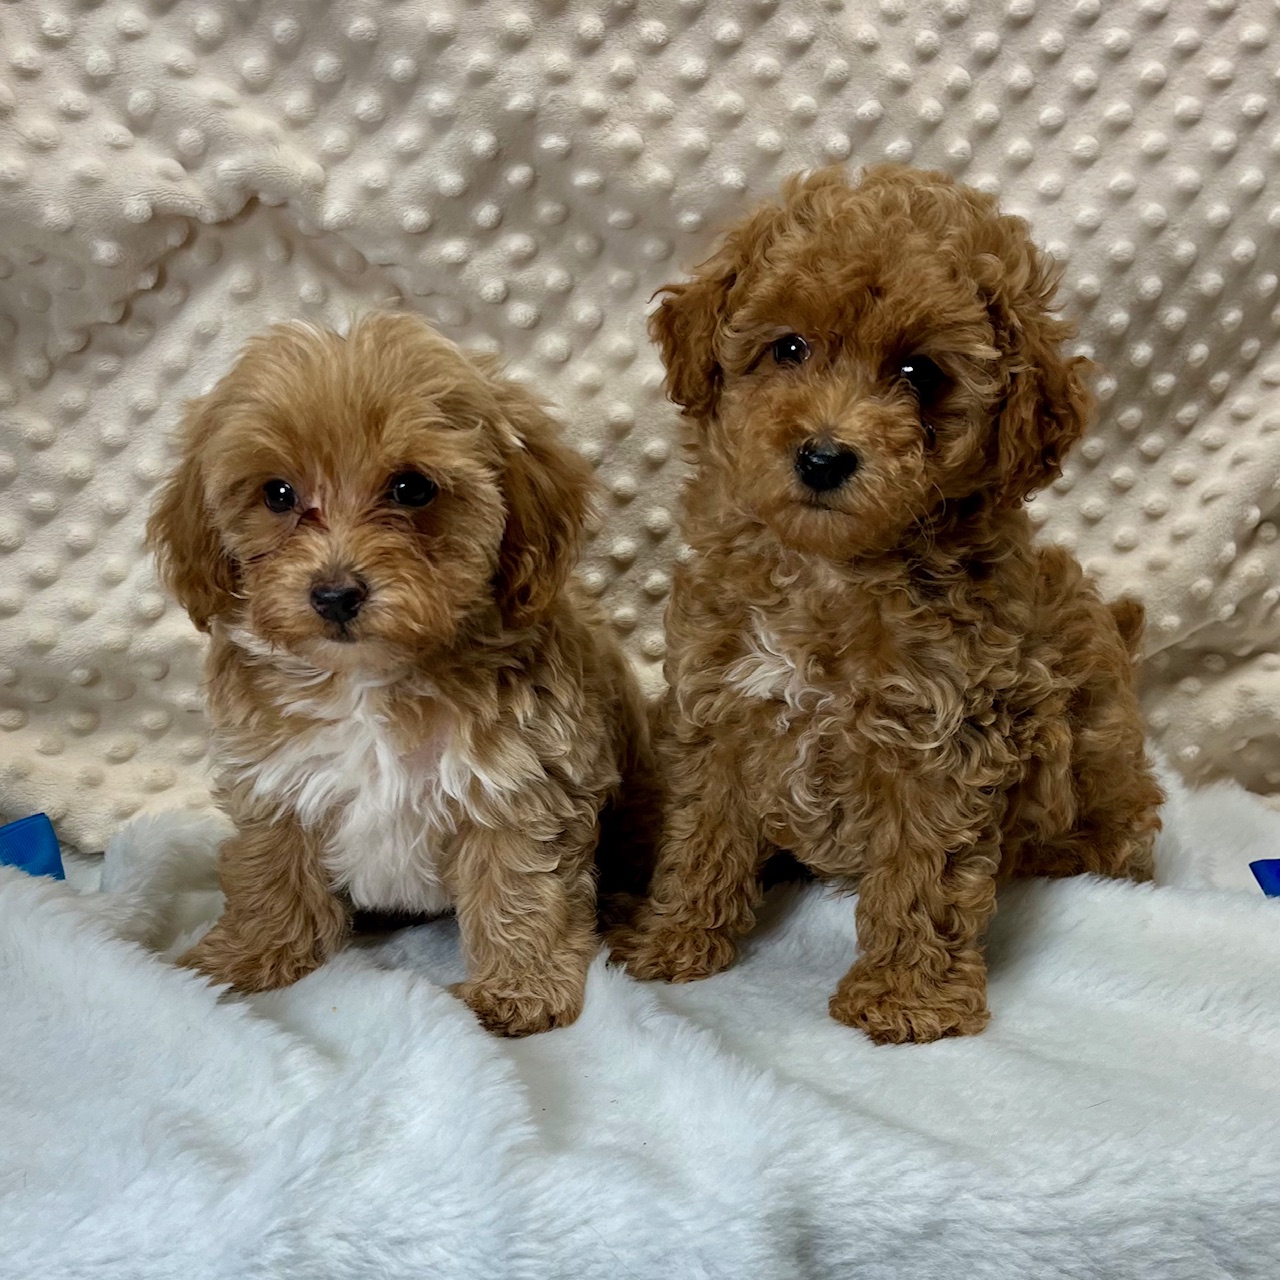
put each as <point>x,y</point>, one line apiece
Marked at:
<point>822,465</point>
<point>339,600</point>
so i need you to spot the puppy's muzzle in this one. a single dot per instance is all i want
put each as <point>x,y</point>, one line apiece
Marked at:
<point>339,601</point>
<point>823,465</point>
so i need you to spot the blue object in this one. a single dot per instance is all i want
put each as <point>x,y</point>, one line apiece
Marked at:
<point>1267,874</point>
<point>31,845</point>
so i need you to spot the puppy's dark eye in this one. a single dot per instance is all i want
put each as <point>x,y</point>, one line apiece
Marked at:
<point>411,489</point>
<point>279,496</point>
<point>791,348</point>
<point>924,378</point>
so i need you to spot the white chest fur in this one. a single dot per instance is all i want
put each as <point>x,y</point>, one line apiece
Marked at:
<point>391,813</point>
<point>770,671</point>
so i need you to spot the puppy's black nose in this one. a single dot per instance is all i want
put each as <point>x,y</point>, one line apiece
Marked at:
<point>823,465</point>
<point>338,601</point>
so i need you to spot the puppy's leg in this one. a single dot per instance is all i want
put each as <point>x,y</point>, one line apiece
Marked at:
<point>527,912</point>
<point>1116,823</point>
<point>1119,821</point>
<point>706,887</point>
<point>1099,784</point>
<point>281,920</point>
<point>1117,799</point>
<point>923,906</point>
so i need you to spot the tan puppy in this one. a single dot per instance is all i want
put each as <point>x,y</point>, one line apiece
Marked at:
<point>414,708</point>
<point>871,664</point>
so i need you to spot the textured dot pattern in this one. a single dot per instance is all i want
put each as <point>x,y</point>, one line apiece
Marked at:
<point>525,173</point>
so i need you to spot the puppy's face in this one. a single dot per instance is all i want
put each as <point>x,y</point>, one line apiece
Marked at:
<point>849,411</point>
<point>352,501</point>
<point>860,357</point>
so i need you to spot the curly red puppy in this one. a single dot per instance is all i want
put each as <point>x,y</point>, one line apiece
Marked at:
<point>414,708</point>
<point>870,662</point>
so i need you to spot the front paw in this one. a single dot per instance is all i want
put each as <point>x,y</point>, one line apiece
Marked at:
<point>515,1014</point>
<point>667,953</point>
<point>226,955</point>
<point>895,1006</point>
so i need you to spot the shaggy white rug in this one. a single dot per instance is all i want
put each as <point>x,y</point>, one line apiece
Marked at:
<point>1121,1117</point>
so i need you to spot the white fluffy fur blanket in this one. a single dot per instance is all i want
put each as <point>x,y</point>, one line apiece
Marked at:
<point>1121,1118</point>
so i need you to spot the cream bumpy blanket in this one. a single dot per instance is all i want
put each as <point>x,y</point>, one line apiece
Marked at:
<point>175,175</point>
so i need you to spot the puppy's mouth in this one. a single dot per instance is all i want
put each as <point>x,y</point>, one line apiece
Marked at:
<point>839,504</point>
<point>817,502</point>
<point>340,633</point>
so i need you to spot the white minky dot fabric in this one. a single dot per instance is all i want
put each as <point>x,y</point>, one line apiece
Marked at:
<point>175,175</point>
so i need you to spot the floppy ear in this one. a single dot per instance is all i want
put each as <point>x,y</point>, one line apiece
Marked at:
<point>684,329</point>
<point>687,323</point>
<point>188,551</point>
<point>548,487</point>
<point>1048,404</point>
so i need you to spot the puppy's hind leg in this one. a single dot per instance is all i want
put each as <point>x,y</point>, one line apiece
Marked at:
<point>1117,803</point>
<point>1106,790</point>
<point>707,884</point>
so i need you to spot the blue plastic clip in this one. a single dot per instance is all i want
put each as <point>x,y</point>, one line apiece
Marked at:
<point>1267,874</point>
<point>31,845</point>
